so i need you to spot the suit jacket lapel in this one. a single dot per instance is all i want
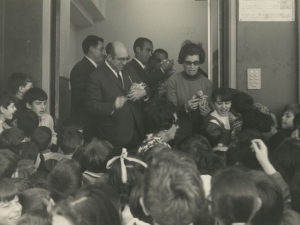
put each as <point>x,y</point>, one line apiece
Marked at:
<point>90,65</point>
<point>113,78</point>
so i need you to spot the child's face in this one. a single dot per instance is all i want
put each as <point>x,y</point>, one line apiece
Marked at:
<point>287,120</point>
<point>38,107</point>
<point>170,134</point>
<point>222,107</point>
<point>10,212</point>
<point>9,112</point>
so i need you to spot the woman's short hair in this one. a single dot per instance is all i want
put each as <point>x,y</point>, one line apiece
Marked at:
<point>189,49</point>
<point>65,178</point>
<point>234,196</point>
<point>159,115</point>
<point>8,190</point>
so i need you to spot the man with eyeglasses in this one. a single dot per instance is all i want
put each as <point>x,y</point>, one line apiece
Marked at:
<point>114,104</point>
<point>92,47</point>
<point>143,49</point>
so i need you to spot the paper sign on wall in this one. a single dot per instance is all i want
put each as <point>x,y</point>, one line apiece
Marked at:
<point>266,10</point>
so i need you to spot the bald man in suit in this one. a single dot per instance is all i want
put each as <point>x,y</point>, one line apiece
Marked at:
<point>116,108</point>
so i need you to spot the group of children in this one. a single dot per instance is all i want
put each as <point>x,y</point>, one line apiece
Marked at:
<point>242,169</point>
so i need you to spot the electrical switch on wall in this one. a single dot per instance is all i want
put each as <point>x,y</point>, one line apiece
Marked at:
<point>253,78</point>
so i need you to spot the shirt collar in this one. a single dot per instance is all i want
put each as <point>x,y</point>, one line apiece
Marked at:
<point>95,64</point>
<point>112,69</point>
<point>139,62</point>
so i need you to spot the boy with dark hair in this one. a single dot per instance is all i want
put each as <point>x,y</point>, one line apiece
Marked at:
<point>95,158</point>
<point>19,84</point>
<point>36,100</point>
<point>11,137</point>
<point>27,122</point>
<point>172,191</point>
<point>8,163</point>
<point>69,140</point>
<point>7,110</point>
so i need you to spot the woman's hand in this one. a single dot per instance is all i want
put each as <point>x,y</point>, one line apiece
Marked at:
<point>192,104</point>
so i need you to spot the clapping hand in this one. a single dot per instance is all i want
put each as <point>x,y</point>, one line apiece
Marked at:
<point>136,94</point>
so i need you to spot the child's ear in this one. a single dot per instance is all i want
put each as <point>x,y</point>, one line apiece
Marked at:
<point>2,109</point>
<point>28,105</point>
<point>143,206</point>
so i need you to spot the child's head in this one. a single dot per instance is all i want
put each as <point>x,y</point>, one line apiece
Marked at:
<point>7,106</point>
<point>295,192</point>
<point>271,197</point>
<point>35,100</point>
<point>286,158</point>
<point>36,217</point>
<point>11,209</point>
<point>172,190</point>
<point>221,101</point>
<point>87,206</point>
<point>30,151</point>
<point>197,148</point>
<point>242,102</point>
<point>19,83</point>
<point>289,112</point>
<point>68,139</point>
<point>65,178</point>
<point>11,137</point>
<point>124,172</point>
<point>96,155</point>
<point>32,199</point>
<point>244,151</point>
<point>8,163</point>
<point>22,184</point>
<point>234,197</point>
<point>42,137</point>
<point>77,125</point>
<point>27,122</point>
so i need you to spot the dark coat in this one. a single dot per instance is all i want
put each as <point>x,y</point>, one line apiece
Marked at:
<point>103,87</point>
<point>78,79</point>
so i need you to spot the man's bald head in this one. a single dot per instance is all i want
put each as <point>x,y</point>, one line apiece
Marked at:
<point>116,55</point>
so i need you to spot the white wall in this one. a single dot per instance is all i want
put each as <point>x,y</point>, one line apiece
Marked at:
<point>73,59</point>
<point>166,22</point>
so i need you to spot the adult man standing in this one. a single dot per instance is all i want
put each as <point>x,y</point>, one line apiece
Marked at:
<point>143,48</point>
<point>92,47</point>
<point>115,106</point>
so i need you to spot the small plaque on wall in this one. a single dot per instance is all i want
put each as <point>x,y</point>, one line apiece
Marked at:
<point>266,10</point>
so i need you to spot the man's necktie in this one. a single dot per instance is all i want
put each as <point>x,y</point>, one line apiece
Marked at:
<point>119,78</point>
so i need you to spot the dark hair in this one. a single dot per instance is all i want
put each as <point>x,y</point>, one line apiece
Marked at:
<point>8,190</point>
<point>36,217</point>
<point>286,158</point>
<point>96,155</point>
<point>42,137</point>
<point>34,94</point>
<point>160,50</point>
<point>245,154</point>
<point>134,172</point>
<point>296,120</point>
<point>189,49</point>
<point>110,49</point>
<point>16,80</point>
<point>172,189</point>
<point>27,122</point>
<point>271,196</point>
<point>234,196</point>
<point>159,115</point>
<point>6,99</point>
<point>68,139</point>
<point>292,107</point>
<point>255,119</point>
<point>221,94</point>
<point>8,163</point>
<point>32,199</point>
<point>89,41</point>
<point>22,184</point>
<point>242,102</point>
<point>65,178</point>
<point>140,42</point>
<point>197,148</point>
<point>39,179</point>
<point>295,192</point>
<point>26,168</point>
<point>48,165</point>
<point>88,206</point>
<point>11,137</point>
<point>72,123</point>
<point>27,150</point>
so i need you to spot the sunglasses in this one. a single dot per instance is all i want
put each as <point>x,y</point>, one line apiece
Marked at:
<point>195,63</point>
<point>158,60</point>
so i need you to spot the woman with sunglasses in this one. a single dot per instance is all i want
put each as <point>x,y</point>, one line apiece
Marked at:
<point>189,88</point>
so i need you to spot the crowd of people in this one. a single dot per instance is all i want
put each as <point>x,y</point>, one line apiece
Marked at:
<point>145,144</point>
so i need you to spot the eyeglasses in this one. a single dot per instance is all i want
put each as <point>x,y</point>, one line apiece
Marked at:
<point>195,63</point>
<point>122,59</point>
<point>158,60</point>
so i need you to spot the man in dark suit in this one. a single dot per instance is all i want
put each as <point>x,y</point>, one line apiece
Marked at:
<point>92,47</point>
<point>143,49</point>
<point>116,107</point>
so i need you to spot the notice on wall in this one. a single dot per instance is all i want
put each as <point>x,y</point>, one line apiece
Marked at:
<point>266,10</point>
